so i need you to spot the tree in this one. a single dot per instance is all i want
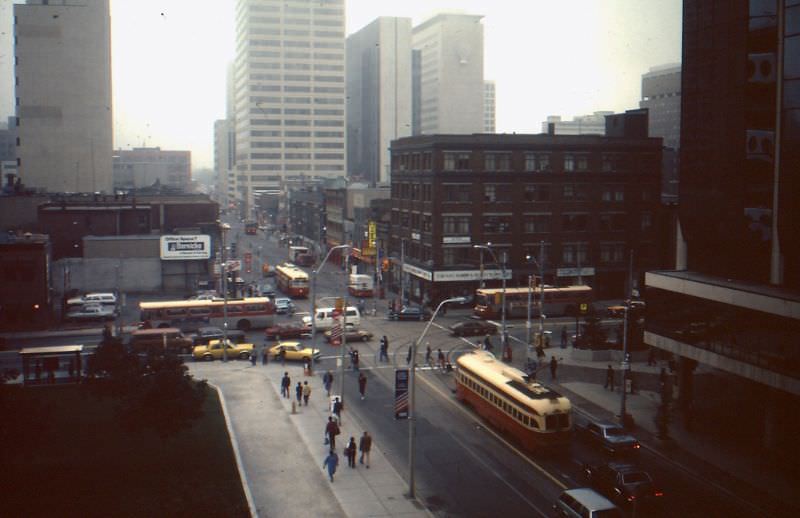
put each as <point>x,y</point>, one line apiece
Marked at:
<point>153,391</point>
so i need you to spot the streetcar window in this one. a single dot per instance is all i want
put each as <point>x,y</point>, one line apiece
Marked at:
<point>526,420</point>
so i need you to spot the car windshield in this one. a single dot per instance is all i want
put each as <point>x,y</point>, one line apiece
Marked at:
<point>635,477</point>
<point>616,432</point>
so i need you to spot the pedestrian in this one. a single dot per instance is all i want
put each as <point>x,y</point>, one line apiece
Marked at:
<point>362,384</point>
<point>350,452</point>
<point>384,349</point>
<point>282,354</point>
<point>487,344</point>
<point>298,391</point>
<point>331,431</point>
<point>609,378</point>
<point>428,354</point>
<point>408,356</point>
<point>553,367</point>
<point>306,392</point>
<point>356,359</point>
<point>563,336</point>
<point>327,382</point>
<point>331,462</point>
<point>286,382</point>
<point>365,445</point>
<point>351,355</point>
<point>440,358</point>
<point>253,357</point>
<point>337,409</point>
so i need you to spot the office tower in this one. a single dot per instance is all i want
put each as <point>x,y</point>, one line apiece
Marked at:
<point>63,89</point>
<point>449,74</point>
<point>289,93</point>
<point>661,95</point>
<point>594,124</point>
<point>144,167</point>
<point>489,107</point>
<point>378,95</point>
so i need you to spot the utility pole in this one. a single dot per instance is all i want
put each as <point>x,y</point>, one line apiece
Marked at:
<point>626,364</point>
<point>402,272</point>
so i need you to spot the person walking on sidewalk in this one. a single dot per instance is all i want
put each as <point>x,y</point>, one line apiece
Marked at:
<point>331,462</point>
<point>440,359</point>
<point>298,392</point>
<point>356,359</point>
<point>384,357</point>
<point>428,355</point>
<point>609,378</point>
<point>327,382</point>
<point>553,367</point>
<point>362,385</point>
<point>286,382</point>
<point>331,431</point>
<point>337,409</point>
<point>350,452</point>
<point>306,392</point>
<point>365,445</point>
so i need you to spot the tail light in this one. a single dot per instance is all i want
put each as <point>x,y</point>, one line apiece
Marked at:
<point>658,493</point>
<point>636,446</point>
<point>631,498</point>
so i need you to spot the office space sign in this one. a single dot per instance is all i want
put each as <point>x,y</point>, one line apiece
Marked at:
<point>185,247</point>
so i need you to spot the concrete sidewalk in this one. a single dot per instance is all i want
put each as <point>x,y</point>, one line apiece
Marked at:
<point>282,453</point>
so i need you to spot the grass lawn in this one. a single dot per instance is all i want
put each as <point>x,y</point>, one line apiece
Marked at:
<point>84,464</point>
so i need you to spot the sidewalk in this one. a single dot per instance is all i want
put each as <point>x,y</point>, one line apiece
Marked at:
<point>740,470</point>
<point>282,472</point>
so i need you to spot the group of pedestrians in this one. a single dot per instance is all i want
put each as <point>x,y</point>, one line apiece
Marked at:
<point>364,446</point>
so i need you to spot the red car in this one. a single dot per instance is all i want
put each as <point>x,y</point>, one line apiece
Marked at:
<point>288,330</point>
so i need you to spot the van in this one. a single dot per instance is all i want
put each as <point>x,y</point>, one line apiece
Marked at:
<point>106,299</point>
<point>169,338</point>
<point>325,320</point>
<point>585,503</point>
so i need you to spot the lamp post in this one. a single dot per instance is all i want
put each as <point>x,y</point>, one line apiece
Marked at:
<point>412,429</point>
<point>488,248</point>
<point>224,227</point>
<point>314,294</point>
<point>626,364</point>
<point>540,264</point>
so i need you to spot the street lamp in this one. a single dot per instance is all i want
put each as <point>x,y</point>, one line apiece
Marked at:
<point>488,248</point>
<point>224,227</point>
<point>412,389</point>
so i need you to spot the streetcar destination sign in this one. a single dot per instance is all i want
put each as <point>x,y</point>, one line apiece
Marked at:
<point>185,247</point>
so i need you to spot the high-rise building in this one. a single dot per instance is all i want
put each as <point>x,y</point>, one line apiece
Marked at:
<point>594,124</point>
<point>378,95</point>
<point>733,304</point>
<point>489,107</point>
<point>224,162</point>
<point>63,90</point>
<point>143,167</point>
<point>661,95</point>
<point>289,93</point>
<point>449,74</point>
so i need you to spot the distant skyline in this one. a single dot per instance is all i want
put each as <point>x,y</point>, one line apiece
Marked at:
<point>564,58</point>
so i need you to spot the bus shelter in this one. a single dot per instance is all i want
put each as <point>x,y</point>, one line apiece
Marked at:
<point>52,364</point>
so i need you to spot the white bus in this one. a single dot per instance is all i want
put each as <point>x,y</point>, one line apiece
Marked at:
<point>242,313</point>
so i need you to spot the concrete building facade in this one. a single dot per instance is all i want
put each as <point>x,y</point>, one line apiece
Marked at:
<point>661,95</point>
<point>289,93</point>
<point>378,95</point>
<point>449,74</point>
<point>63,90</point>
<point>224,162</point>
<point>489,107</point>
<point>143,167</point>
<point>594,124</point>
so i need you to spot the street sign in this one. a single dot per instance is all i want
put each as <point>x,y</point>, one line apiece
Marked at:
<point>401,394</point>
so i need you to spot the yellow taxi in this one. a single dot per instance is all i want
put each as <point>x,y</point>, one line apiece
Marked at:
<point>294,351</point>
<point>214,351</point>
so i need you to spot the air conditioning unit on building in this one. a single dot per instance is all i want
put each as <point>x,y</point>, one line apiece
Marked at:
<point>760,145</point>
<point>761,68</point>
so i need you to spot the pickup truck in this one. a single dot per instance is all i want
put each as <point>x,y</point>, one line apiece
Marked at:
<point>92,312</point>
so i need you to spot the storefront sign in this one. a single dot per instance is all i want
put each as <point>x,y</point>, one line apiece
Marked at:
<point>417,272</point>
<point>469,275</point>
<point>587,271</point>
<point>452,240</point>
<point>185,247</point>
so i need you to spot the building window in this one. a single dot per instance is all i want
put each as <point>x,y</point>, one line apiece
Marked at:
<point>497,162</point>
<point>569,192</point>
<point>490,192</point>
<point>456,193</point>
<point>537,162</point>
<point>611,222</point>
<point>612,253</point>
<point>582,163</point>
<point>497,224</point>
<point>574,222</point>
<point>456,161</point>
<point>427,162</point>
<point>427,223</point>
<point>537,224</point>
<point>569,162</point>
<point>647,221</point>
<point>457,256</point>
<point>619,195</point>
<point>455,225</point>
<point>537,192</point>
<point>575,253</point>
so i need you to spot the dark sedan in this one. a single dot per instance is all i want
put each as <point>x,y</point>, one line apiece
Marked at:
<point>288,330</point>
<point>410,313</point>
<point>473,328</point>
<point>625,484</point>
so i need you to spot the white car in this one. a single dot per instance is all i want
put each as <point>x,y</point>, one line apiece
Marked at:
<point>284,305</point>
<point>106,299</point>
<point>91,312</point>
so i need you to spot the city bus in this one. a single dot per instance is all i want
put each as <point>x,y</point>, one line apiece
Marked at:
<point>565,300</point>
<point>301,256</point>
<point>244,314</point>
<point>251,227</point>
<point>360,285</point>
<point>292,280</point>
<point>512,401</point>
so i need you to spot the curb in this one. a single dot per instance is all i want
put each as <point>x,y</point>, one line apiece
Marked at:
<point>235,444</point>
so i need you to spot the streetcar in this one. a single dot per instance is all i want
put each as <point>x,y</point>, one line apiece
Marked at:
<point>533,414</point>
<point>564,300</point>
<point>292,280</point>
<point>243,313</point>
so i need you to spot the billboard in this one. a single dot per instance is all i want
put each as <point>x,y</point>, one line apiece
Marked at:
<point>188,247</point>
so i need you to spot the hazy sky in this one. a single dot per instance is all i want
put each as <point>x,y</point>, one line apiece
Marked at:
<point>566,57</point>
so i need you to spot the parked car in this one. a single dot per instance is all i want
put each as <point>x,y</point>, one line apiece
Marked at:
<point>611,437</point>
<point>284,305</point>
<point>169,338</point>
<point>105,299</point>
<point>91,312</point>
<point>206,334</point>
<point>410,313</point>
<point>624,484</point>
<point>288,330</point>
<point>294,351</point>
<point>473,328</point>
<point>215,350</point>
<point>353,335</point>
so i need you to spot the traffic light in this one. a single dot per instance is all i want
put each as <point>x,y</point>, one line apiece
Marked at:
<point>385,265</point>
